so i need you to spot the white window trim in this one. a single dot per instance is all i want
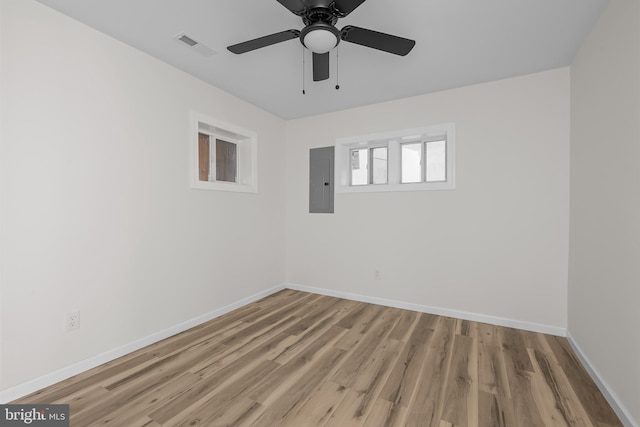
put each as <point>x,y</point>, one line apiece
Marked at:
<point>247,154</point>
<point>393,139</point>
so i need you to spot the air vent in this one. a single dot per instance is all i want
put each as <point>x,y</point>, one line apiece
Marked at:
<point>193,44</point>
<point>187,40</point>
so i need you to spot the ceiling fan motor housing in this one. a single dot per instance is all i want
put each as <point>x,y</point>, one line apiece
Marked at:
<point>320,14</point>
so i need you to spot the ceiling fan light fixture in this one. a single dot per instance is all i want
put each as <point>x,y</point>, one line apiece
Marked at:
<point>320,38</point>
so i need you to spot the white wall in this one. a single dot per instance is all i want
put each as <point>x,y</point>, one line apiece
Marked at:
<point>497,245</point>
<point>604,268</point>
<point>97,213</point>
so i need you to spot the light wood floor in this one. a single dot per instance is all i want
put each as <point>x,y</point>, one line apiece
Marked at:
<point>299,359</point>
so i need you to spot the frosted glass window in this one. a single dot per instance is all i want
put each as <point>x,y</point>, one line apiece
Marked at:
<point>436,154</point>
<point>413,159</point>
<point>360,166</point>
<point>380,165</point>
<point>411,167</point>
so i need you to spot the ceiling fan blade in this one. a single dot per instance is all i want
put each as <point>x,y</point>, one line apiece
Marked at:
<point>294,6</point>
<point>345,7</point>
<point>376,40</point>
<point>264,41</point>
<point>320,66</point>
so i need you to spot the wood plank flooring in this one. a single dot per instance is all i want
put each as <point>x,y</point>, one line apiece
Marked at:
<point>299,359</point>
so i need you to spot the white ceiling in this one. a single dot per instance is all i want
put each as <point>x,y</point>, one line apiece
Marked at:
<point>458,43</point>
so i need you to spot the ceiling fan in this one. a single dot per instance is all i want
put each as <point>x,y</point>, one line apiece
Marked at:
<point>320,34</point>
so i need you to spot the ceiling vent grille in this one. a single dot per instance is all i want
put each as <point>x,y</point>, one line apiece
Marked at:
<point>194,45</point>
<point>187,40</point>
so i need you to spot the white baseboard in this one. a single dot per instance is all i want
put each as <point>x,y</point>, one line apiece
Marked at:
<point>612,398</point>
<point>475,317</point>
<point>51,378</point>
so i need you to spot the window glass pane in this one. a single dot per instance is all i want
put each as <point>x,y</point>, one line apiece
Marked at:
<point>411,162</point>
<point>359,166</point>
<point>226,163</point>
<point>436,152</point>
<point>203,157</point>
<point>379,156</point>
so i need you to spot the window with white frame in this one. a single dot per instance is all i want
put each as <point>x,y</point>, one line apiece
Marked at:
<point>409,159</point>
<point>224,156</point>
<point>369,165</point>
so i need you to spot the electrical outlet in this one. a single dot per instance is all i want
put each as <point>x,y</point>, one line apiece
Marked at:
<point>376,274</point>
<point>73,320</point>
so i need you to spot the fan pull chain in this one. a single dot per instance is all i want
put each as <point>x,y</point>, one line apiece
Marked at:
<point>337,69</point>
<point>304,92</point>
